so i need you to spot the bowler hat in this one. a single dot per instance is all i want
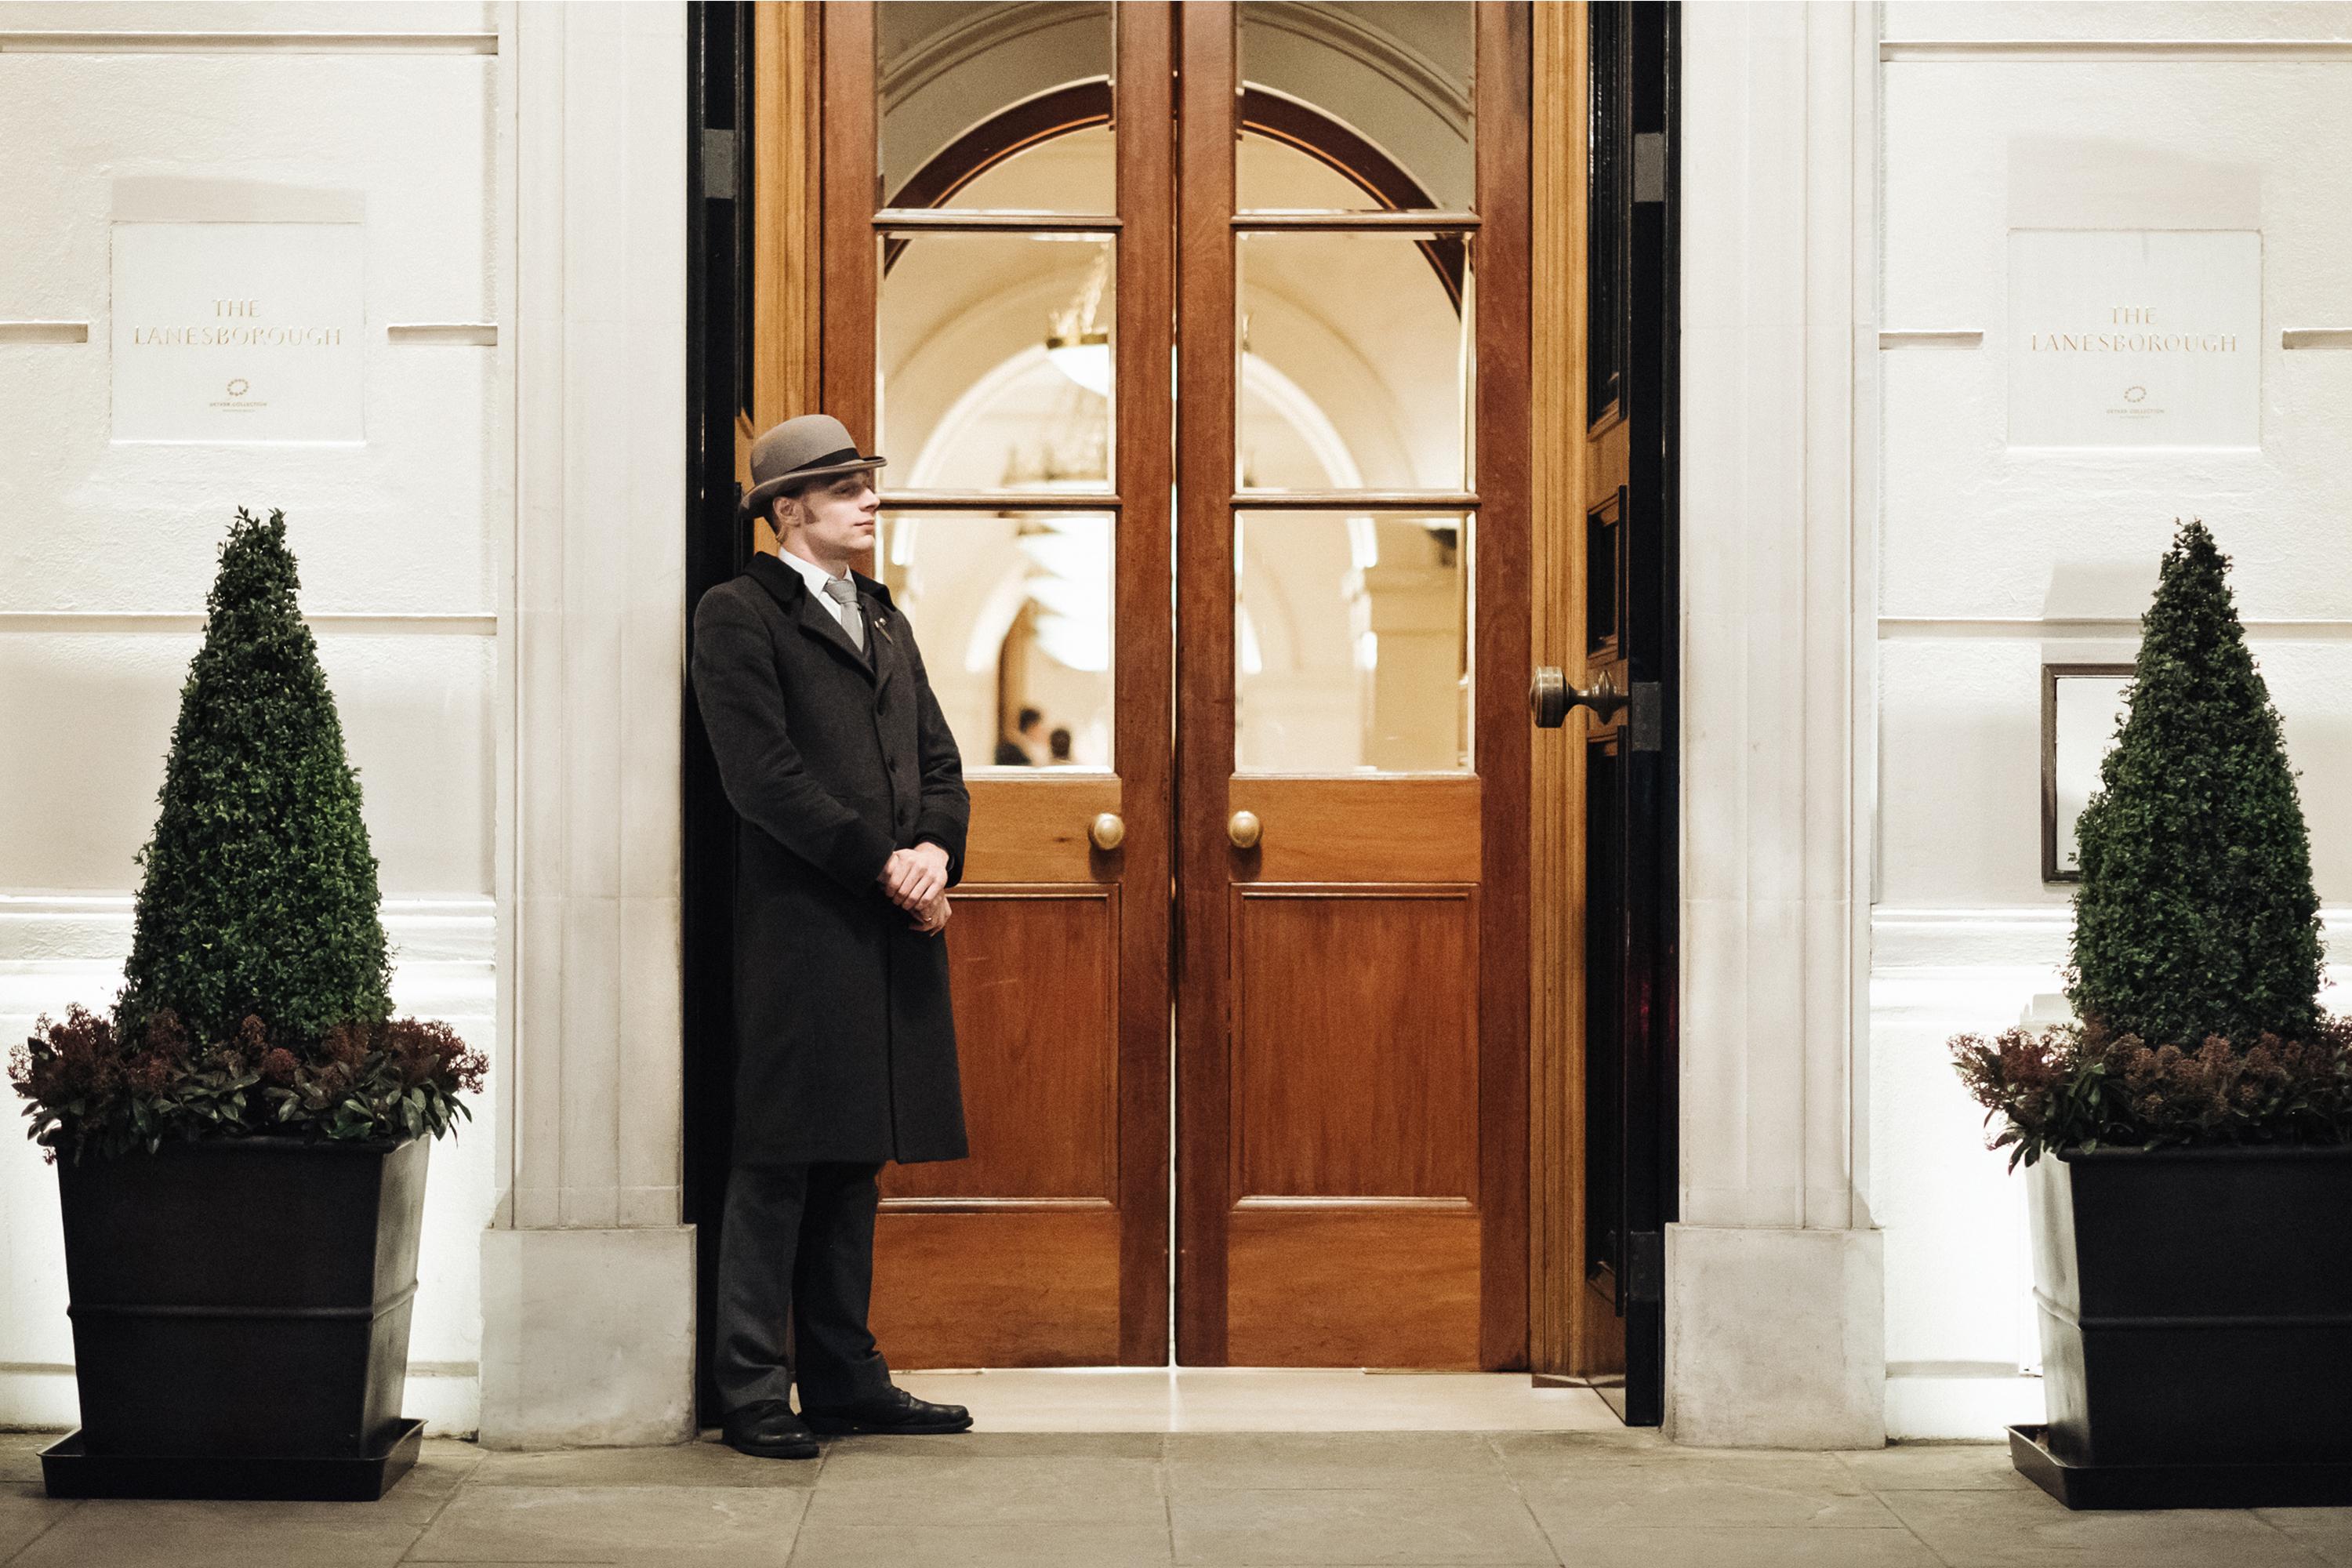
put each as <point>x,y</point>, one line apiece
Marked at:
<point>812,446</point>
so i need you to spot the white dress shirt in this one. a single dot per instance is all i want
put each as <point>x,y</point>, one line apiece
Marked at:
<point>817,577</point>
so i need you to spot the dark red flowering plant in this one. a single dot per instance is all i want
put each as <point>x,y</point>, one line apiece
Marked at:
<point>256,998</point>
<point>2196,949</point>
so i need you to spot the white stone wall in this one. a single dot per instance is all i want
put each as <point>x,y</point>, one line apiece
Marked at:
<point>1994,560</point>
<point>106,550</point>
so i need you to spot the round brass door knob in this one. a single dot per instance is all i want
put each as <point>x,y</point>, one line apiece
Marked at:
<point>1244,830</point>
<point>1550,697</point>
<point>1107,831</point>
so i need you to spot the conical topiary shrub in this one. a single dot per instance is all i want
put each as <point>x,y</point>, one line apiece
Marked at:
<point>2196,915</point>
<point>260,892</point>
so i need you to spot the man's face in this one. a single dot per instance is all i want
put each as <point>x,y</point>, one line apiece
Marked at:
<point>836,516</point>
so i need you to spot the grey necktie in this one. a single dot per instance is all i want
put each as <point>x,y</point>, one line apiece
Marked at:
<point>843,592</point>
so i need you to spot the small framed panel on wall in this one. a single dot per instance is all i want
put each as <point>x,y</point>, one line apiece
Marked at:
<point>2083,706</point>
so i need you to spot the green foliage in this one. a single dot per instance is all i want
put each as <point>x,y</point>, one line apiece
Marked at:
<point>258,996</point>
<point>260,892</point>
<point>2195,916</point>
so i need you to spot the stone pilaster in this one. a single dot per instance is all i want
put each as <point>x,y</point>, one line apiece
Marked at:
<point>588,1276</point>
<point>1775,1309</point>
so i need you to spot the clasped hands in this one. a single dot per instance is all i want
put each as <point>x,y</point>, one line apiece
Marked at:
<point>917,881</point>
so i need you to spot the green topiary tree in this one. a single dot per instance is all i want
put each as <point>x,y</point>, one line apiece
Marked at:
<point>261,891</point>
<point>2196,915</point>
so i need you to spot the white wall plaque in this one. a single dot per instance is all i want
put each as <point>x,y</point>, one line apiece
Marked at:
<point>2134,338</point>
<point>237,331</point>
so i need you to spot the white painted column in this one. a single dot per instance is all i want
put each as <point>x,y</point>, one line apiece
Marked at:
<point>587,1274</point>
<point>1775,1311</point>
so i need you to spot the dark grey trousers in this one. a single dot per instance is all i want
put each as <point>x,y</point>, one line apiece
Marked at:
<point>798,1237</point>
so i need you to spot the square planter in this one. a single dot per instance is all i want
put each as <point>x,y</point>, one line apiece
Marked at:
<point>2196,1311</point>
<point>240,1317</point>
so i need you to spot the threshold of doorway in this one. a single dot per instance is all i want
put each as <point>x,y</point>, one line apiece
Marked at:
<point>1259,1399</point>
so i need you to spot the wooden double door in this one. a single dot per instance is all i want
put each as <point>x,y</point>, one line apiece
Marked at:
<point>1196,337</point>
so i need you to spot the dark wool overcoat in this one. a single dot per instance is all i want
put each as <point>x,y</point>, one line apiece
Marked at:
<point>845,1044</point>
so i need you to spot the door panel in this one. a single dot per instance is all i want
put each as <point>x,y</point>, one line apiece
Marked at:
<point>1028,1227</point>
<point>1350,1029</point>
<point>1025,536</point>
<point>1331,897</point>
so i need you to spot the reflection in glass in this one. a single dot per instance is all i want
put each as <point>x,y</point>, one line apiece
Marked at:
<point>2085,711</point>
<point>1351,643</point>
<point>961,83</point>
<point>994,360</point>
<point>1356,352</point>
<point>1381,91</point>
<point>1014,613</point>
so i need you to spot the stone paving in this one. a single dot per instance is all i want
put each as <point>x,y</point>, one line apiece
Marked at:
<point>1405,1500</point>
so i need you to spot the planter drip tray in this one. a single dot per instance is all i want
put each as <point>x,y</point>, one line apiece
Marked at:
<point>69,1471</point>
<point>2274,1485</point>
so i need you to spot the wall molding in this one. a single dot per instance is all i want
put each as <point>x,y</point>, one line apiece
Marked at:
<point>2001,936</point>
<point>44,332</point>
<point>2098,49</point>
<point>1932,338</point>
<point>2104,628</point>
<point>100,623</point>
<point>473,334</point>
<point>113,41</point>
<point>47,928</point>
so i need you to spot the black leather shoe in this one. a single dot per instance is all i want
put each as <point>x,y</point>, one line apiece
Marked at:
<point>769,1430</point>
<point>896,1411</point>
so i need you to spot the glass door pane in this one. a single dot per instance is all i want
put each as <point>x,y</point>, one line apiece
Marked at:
<point>1351,643</point>
<point>1380,93</point>
<point>994,360</point>
<point>1014,613</point>
<point>970,91</point>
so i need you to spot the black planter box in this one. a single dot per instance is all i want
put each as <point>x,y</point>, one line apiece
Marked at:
<point>2196,1315</point>
<point>240,1319</point>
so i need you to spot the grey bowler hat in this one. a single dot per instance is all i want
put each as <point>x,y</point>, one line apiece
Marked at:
<point>813,447</point>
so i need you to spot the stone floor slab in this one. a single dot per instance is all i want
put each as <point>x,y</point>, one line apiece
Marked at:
<point>2032,1529</point>
<point>1694,1487</point>
<point>851,1455</point>
<point>988,1490</point>
<point>1936,1468</point>
<point>1254,1461</point>
<point>1485,1522</point>
<point>671,1527</point>
<point>1673,1547</point>
<point>25,1519</point>
<point>706,1463</point>
<point>983,1546</point>
<point>224,1535</point>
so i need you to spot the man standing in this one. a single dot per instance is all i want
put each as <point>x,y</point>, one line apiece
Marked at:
<point>838,758</point>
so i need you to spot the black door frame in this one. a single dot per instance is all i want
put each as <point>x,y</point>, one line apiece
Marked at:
<point>1651,1108</point>
<point>719,369</point>
<point>717,394</point>
<point>1631,832</point>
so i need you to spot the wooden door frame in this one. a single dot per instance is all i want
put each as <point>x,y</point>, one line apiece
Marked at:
<point>842,233</point>
<point>1556,1294</point>
<point>1207,370</point>
<point>785,164</point>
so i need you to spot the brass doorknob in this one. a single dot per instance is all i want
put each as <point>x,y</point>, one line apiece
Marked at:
<point>1107,831</point>
<point>1550,697</point>
<point>1244,830</point>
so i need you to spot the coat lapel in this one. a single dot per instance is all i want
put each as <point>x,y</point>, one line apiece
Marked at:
<point>800,607</point>
<point>882,630</point>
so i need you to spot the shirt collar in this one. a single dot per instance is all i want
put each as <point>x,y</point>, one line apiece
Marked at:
<point>815,575</point>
